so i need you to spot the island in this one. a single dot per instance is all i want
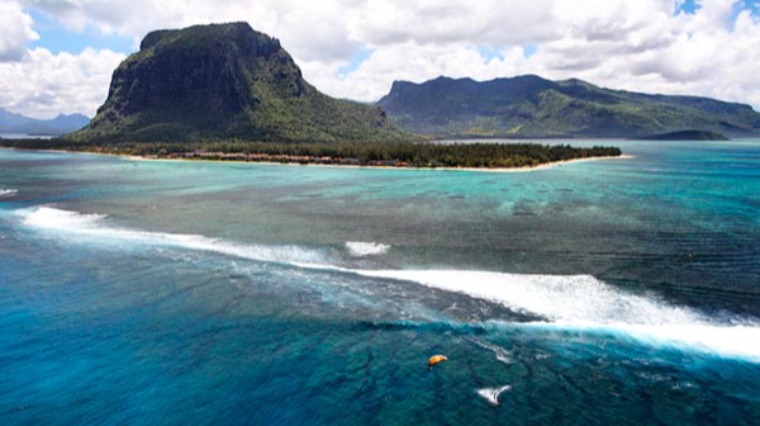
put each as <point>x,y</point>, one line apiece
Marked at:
<point>399,154</point>
<point>228,92</point>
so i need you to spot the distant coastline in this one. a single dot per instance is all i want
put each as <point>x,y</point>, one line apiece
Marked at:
<point>399,155</point>
<point>486,156</point>
<point>543,166</point>
<point>347,163</point>
<point>299,162</point>
<point>27,136</point>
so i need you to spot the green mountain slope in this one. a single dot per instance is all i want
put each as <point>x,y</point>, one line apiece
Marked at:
<point>530,106</point>
<point>224,81</point>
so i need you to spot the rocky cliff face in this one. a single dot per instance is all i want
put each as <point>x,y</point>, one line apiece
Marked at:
<point>224,81</point>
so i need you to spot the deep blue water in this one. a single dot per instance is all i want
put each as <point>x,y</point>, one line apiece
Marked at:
<point>602,292</point>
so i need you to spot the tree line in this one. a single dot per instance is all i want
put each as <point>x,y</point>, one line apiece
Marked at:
<point>425,154</point>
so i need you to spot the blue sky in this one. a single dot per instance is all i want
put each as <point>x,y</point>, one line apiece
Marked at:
<point>688,6</point>
<point>56,38</point>
<point>56,56</point>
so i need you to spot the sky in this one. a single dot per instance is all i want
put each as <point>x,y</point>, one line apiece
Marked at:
<point>57,56</point>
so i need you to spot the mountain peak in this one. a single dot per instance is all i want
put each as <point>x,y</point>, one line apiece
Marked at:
<point>224,81</point>
<point>203,33</point>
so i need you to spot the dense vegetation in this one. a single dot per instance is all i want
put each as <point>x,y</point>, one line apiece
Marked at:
<point>479,155</point>
<point>225,81</point>
<point>531,107</point>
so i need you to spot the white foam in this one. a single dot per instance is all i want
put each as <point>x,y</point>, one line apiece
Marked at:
<point>492,394</point>
<point>578,302</point>
<point>50,218</point>
<point>95,225</point>
<point>555,297</point>
<point>502,355</point>
<point>362,249</point>
<point>582,302</point>
<point>8,192</point>
<point>737,341</point>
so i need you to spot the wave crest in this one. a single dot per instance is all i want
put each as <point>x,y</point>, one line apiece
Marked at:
<point>578,302</point>
<point>363,249</point>
<point>8,192</point>
<point>492,394</point>
<point>96,226</point>
<point>584,303</point>
<point>51,218</point>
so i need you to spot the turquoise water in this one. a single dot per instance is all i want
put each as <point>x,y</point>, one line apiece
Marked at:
<point>602,292</point>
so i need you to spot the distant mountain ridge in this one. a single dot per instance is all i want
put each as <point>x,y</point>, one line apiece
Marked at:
<point>222,82</point>
<point>62,124</point>
<point>531,106</point>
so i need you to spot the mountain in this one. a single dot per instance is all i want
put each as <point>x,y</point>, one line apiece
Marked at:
<point>687,135</point>
<point>225,81</point>
<point>17,123</point>
<point>530,106</point>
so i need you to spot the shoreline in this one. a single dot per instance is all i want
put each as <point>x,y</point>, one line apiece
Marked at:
<point>522,169</point>
<point>540,166</point>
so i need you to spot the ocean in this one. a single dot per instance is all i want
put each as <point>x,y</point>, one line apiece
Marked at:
<point>622,291</point>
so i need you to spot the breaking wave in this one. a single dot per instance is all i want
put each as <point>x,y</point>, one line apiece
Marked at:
<point>492,394</point>
<point>578,302</point>
<point>584,303</point>
<point>95,225</point>
<point>360,249</point>
<point>8,192</point>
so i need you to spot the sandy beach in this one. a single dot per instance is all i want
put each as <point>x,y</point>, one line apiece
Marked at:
<point>353,166</point>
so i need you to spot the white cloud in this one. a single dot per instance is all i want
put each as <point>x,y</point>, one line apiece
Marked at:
<point>44,85</point>
<point>421,63</point>
<point>640,45</point>
<point>309,29</point>
<point>15,31</point>
<point>384,22</point>
<point>703,54</point>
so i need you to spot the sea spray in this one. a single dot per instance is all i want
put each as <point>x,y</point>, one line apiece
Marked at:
<point>363,249</point>
<point>584,303</point>
<point>492,394</point>
<point>96,226</point>
<point>730,341</point>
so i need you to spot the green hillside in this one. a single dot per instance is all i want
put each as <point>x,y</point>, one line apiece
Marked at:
<point>530,106</point>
